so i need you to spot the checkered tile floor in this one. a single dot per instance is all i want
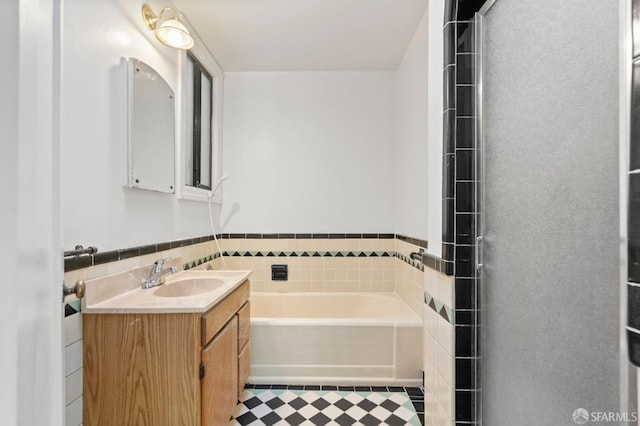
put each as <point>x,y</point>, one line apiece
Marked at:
<point>282,405</point>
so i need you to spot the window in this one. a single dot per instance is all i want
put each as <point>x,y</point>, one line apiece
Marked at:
<point>199,153</point>
<point>199,125</point>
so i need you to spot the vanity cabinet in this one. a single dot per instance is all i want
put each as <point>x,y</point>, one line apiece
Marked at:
<point>166,368</point>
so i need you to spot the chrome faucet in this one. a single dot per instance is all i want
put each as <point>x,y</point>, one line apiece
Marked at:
<point>156,274</point>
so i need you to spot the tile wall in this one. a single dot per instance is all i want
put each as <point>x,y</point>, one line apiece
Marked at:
<point>317,262</point>
<point>439,349</point>
<point>73,364</point>
<point>461,209</point>
<point>633,228</point>
<point>337,263</point>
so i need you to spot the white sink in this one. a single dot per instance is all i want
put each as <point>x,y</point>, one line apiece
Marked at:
<point>189,287</point>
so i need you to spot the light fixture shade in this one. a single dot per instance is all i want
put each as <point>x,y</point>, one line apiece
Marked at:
<point>173,33</point>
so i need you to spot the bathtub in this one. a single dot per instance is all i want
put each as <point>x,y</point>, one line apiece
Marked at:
<point>334,338</point>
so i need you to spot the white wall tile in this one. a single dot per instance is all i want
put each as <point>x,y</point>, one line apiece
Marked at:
<point>72,329</point>
<point>73,413</point>
<point>444,365</point>
<point>73,386</point>
<point>73,357</point>
<point>445,335</point>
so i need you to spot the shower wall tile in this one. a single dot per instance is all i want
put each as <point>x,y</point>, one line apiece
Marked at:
<point>450,128</point>
<point>461,221</point>
<point>465,37</point>
<point>465,228</point>
<point>449,88</point>
<point>465,197</point>
<point>634,154</point>
<point>449,44</point>
<point>448,180</point>
<point>450,7</point>
<point>465,164</point>
<point>465,69</point>
<point>633,302</point>
<point>465,101</point>
<point>633,243</point>
<point>635,26</point>
<point>465,132</point>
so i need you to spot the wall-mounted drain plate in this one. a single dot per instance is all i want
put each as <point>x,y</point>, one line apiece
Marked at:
<point>279,272</point>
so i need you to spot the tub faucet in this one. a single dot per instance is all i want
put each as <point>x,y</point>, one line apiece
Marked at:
<point>156,274</point>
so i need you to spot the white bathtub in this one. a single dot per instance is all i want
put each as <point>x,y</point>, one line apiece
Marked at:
<point>334,338</point>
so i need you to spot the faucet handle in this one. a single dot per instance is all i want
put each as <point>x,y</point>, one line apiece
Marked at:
<point>158,264</point>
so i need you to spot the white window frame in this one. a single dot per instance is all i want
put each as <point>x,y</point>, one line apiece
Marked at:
<point>202,54</point>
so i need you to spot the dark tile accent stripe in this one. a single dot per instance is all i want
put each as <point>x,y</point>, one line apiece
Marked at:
<point>85,261</point>
<point>414,241</point>
<point>311,236</point>
<point>438,264</point>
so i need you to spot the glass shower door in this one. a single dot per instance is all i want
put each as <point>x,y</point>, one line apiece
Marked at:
<point>549,292</point>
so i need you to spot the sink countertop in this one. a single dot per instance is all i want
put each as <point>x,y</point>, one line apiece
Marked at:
<point>122,293</point>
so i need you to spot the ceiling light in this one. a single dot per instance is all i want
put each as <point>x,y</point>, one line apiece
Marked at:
<point>168,27</point>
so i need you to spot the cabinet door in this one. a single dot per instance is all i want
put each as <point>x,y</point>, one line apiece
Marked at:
<point>243,367</point>
<point>244,325</point>
<point>220,382</point>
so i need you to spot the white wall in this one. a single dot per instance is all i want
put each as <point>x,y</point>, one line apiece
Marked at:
<point>411,140</point>
<point>9,213</point>
<point>30,311</point>
<point>435,16</point>
<point>309,152</point>
<point>97,210</point>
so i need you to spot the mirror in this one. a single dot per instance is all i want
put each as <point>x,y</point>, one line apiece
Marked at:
<point>150,129</point>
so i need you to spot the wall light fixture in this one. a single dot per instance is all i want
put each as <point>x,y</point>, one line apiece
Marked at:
<point>168,27</point>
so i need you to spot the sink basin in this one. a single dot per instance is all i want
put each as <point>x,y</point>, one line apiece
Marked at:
<point>189,287</point>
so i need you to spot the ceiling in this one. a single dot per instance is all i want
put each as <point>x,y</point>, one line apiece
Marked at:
<point>305,35</point>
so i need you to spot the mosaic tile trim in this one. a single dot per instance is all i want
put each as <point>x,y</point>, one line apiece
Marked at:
<point>440,308</point>
<point>197,262</point>
<point>72,307</point>
<point>312,253</point>
<point>414,263</point>
<point>297,407</point>
<point>318,253</point>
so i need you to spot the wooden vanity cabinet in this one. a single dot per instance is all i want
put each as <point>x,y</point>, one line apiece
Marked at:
<point>166,369</point>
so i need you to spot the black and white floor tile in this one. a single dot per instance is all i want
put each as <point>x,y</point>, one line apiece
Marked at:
<point>328,405</point>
